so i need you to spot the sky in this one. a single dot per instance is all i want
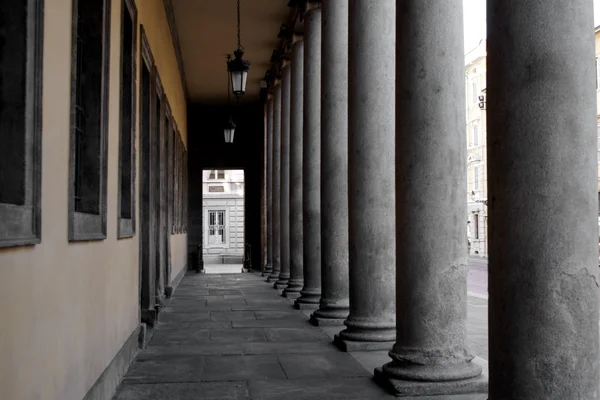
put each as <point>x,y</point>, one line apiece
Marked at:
<point>474,14</point>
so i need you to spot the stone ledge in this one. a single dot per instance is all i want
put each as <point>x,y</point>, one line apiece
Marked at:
<point>318,321</point>
<point>402,388</point>
<point>306,306</point>
<point>353,345</point>
<point>106,385</point>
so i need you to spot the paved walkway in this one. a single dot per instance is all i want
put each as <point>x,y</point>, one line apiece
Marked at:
<point>234,337</point>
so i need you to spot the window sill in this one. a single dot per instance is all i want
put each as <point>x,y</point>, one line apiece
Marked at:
<point>125,229</point>
<point>86,227</point>
<point>18,226</point>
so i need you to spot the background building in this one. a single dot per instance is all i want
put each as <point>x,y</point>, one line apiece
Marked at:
<point>475,84</point>
<point>223,216</point>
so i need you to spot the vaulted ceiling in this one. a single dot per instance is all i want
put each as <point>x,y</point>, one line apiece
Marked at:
<point>207,31</point>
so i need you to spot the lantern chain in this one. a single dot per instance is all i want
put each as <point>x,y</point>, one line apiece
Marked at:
<point>239,27</point>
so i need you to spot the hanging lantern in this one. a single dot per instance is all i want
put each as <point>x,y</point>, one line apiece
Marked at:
<point>238,71</point>
<point>229,130</point>
<point>238,67</point>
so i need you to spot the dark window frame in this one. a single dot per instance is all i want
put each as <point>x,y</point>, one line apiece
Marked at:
<point>84,226</point>
<point>126,227</point>
<point>22,224</point>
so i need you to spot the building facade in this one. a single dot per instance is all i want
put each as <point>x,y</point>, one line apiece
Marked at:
<point>102,101</point>
<point>223,216</point>
<point>476,130</point>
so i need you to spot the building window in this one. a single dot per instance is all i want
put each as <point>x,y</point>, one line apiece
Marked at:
<point>597,73</point>
<point>476,225</point>
<point>216,227</point>
<point>89,113</point>
<point>475,134</point>
<point>126,225</point>
<point>475,178</point>
<point>216,174</point>
<point>21,58</point>
<point>474,92</point>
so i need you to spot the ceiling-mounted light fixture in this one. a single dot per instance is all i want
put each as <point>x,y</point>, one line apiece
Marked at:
<point>238,67</point>
<point>229,128</point>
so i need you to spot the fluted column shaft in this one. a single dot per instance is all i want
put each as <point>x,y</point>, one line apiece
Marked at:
<point>334,165</point>
<point>311,162</point>
<point>371,130</point>
<point>284,274</point>
<point>276,192</point>
<point>269,266</point>
<point>430,355</point>
<point>542,172</point>
<point>296,107</point>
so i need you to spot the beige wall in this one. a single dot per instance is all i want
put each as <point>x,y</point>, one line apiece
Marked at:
<point>68,308</point>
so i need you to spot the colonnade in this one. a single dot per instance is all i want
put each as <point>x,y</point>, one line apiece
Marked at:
<point>367,191</point>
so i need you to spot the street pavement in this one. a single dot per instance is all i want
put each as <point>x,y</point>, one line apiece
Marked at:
<point>477,281</point>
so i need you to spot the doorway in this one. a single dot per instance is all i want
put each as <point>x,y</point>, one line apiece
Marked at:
<point>223,215</point>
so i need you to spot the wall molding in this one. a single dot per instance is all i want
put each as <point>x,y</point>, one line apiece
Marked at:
<point>176,44</point>
<point>176,281</point>
<point>106,385</point>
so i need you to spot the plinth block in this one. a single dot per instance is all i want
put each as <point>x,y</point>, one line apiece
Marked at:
<point>402,388</point>
<point>318,321</point>
<point>306,306</point>
<point>353,345</point>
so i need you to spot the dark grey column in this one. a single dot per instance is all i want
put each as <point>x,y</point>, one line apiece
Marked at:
<point>430,355</point>
<point>276,193</point>
<point>333,308</point>
<point>311,161</point>
<point>296,243</point>
<point>371,129</point>
<point>542,171</point>
<point>269,266</point>
<point>284,274</point>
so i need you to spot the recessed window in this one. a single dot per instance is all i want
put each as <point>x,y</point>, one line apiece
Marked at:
<point>89,113</point>
<point>128,106</point>
<point>475,134</point>
<point>476,178</point>
<point>217,174</point>
<point>476,225</point>
<point>21,53</point>
<point>474,93</point>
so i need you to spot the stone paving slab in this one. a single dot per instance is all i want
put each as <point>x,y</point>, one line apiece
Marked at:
<point>186,368</point>
<point>321,365</point>
<point>185,391</point>
<point>251,348</point>
<point>234,337</point>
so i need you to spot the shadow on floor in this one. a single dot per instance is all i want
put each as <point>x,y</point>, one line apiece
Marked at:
<point>235,337</point>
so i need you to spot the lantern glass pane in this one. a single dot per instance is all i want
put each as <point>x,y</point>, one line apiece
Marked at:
<point>229,135</point>
<point>236,81</point>
<point>244,80</point>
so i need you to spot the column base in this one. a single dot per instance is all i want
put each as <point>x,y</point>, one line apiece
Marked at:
<point>293,289</point>
<point>320,321</point>
<point>309,299</point>
<point>330,313</point>
<point>305,306</point>
<point>355,345</point>
<point>406,388</point>
<point>273,277</point>
<point>279,286</point>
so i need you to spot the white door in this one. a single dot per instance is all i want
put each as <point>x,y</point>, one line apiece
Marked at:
<point>216,227</point>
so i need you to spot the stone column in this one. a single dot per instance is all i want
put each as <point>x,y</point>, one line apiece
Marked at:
<point>284,274</point>
<point>276,192</point>
<point>371,324</point>
<point>333,308</point>
<point>296,244</point>
<point>269,267</point>
<point>311,161</point>
<point>430,355</point>
<point>542,175</point>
